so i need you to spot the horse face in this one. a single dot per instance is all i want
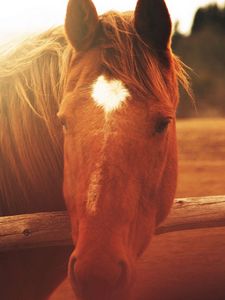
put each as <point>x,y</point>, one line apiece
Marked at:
<point>119,159</point>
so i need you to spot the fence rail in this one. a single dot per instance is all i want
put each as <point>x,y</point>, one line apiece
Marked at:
<point>53,228</point>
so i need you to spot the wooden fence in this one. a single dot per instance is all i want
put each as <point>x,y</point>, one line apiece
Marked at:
<point>53,228</point>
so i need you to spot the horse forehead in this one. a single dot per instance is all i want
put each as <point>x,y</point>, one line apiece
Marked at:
<point>109,94</point>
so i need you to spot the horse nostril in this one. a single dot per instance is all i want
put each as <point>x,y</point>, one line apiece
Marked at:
<point>72,272</point>
<point>122,280</point>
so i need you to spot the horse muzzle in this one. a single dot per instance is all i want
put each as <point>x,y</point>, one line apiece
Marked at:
<point>98,275</point>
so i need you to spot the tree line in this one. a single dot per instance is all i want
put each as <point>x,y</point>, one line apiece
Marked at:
<point>203,50</point>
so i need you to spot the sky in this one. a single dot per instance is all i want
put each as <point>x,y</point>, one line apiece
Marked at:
<point>20,17</point>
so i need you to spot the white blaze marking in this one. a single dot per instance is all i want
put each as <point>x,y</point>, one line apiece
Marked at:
<point>109,94</point>
<point>96,177</point>
<point>93,189</point>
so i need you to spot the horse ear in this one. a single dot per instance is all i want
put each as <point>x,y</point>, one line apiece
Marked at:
<point>81,23</point>
<point>152,22</point>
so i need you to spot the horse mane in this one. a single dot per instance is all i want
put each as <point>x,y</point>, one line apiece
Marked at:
<point>32,79</point>
<point>32,83</point>
<point>127,57</point>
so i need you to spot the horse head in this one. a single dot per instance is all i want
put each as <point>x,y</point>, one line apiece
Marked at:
<point>120,160</point>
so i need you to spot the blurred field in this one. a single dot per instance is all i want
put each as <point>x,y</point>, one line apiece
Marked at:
<point>201,157</point>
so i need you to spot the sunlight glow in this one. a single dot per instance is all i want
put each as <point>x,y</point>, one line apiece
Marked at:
<point>26,16</point>
<point>109,94</point>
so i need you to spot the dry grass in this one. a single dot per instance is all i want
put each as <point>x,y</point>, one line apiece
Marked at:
<point>201,157</point>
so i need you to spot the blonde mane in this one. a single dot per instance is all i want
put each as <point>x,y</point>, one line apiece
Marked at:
<point>32,82</point>
<point>32,79</point>
<point>27,67</point>
<point>127,57</point>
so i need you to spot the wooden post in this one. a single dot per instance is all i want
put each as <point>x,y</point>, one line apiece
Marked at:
<point>53,228</point>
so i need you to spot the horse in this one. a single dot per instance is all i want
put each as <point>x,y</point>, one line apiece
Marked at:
<point>88,123</point>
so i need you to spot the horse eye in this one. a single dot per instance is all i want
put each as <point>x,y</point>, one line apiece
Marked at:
<point>162,125</point>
